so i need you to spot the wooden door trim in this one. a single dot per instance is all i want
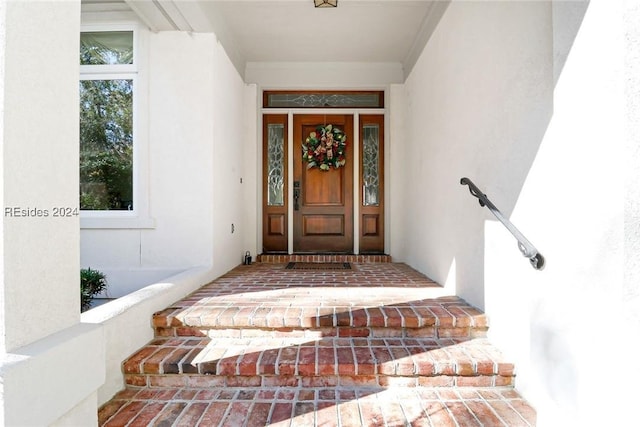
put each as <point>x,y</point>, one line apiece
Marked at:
<point>371,218</point>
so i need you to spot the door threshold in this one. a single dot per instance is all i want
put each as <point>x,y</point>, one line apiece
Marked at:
<point>286,258</point>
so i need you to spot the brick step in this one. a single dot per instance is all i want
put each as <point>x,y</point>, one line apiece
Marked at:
<point>324,362</point>
<point>378,344</point>
<point>311,313</point>
<point>284,258</point>
<point>347,406</point>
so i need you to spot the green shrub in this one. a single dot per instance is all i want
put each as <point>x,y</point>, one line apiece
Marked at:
<point>92,282</point>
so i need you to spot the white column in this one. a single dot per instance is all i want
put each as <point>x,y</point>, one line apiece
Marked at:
<point>39,170</point>
<point>50,364</point>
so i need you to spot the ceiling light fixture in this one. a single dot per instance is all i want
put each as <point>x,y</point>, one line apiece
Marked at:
<point>326,3</point>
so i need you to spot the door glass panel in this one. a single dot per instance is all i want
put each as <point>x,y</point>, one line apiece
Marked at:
<point>275,165</point>
<point>370,165</point>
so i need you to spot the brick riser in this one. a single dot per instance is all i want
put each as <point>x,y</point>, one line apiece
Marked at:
<point>436,343</point>
<point>341,332</point>
<point>446,317</point>
<point>328,362</point>
<point>282,258</point>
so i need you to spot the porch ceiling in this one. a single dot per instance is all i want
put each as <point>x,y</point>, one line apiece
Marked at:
<point>267,31</point>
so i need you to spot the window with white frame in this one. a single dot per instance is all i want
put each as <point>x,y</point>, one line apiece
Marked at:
<point>108,72</point>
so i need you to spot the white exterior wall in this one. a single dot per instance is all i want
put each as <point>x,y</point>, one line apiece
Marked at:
<point>631,290</point>
<point>193,112</point>
<point>477,103</point>
<point>574,200</point>
<point>131,313</point>
<point>50,364</point>
<point>314,75</point>
<point>528,100</point>
<point>252,176</point>
<point>395,182</point>
<point>230,127</point>
<point>40,252</point>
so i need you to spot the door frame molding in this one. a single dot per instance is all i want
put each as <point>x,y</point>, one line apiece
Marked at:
<point>291,150</point>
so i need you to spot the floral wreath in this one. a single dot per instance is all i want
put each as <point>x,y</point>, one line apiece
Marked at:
<point>325,148</point>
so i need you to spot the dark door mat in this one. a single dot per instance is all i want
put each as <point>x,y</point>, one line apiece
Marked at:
<point>318,266</point>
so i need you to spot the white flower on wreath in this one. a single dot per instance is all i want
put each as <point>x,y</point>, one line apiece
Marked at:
<point>325,148</point>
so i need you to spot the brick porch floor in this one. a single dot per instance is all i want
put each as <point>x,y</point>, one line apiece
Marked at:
<point>379,345</point>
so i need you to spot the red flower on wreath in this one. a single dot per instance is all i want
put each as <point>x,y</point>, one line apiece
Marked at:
<point>325,148</point>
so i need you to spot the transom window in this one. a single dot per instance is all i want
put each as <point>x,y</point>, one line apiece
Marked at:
<point>107,102</point>
<point>322,99</point>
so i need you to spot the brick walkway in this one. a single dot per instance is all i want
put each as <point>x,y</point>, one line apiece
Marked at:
<point>380,345</point>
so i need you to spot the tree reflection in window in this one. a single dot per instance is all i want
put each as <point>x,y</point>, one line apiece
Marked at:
<point>106,144</point>
<point>106,120</point>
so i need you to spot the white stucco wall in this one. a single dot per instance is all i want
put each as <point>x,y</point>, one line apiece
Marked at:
<point>252,175</point>
<point>40,252</point>
<point>181,145</point>
<point>315,75</point>
<point>50,364</point>
<point>396,182</point>
<point>631,290</point>
<point>194,110</point>
<point>229,132</point>
<point>477,103</point>
<point>132,313</point>
<point>529,100</point>
<point>54,378</point>
<point>574,198</point>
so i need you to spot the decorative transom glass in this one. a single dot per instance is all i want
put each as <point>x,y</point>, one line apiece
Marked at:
<point>319,99</point>
<point>275,165</point>
<point>370,165</point>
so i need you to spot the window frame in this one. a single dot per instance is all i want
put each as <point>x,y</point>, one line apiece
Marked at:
<point>138,217</point>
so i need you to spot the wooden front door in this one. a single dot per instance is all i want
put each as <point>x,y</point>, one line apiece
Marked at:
<point>323,199</point>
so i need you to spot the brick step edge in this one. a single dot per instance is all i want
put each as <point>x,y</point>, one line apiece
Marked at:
<point>327,356</point>
<point>320,406</point>
<point>237,316</point>
<point>311,333</point>
<point>281,258</point>
<point>195,381</point>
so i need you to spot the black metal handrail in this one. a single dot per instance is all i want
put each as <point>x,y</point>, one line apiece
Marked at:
<point>525,246</point>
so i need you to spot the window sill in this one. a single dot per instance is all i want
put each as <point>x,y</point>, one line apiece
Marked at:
<point>117,223</point>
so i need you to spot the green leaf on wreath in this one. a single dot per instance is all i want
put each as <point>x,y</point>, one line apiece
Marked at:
<point>316,145</point>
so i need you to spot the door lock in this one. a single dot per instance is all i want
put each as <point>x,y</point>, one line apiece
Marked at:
<point>296,195</point>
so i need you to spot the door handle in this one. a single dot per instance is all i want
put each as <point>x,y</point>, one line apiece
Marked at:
<point>296,195</point>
